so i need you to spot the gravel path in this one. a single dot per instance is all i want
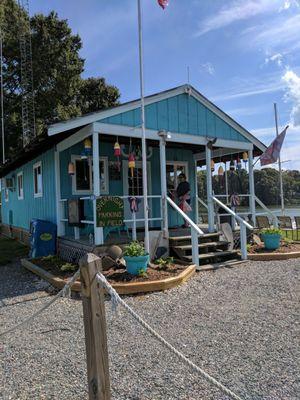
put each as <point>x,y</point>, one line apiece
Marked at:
<point>241,325</point>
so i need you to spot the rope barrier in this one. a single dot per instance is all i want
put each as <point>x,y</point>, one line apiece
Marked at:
<point>116,299</point>
<point>64,292</point>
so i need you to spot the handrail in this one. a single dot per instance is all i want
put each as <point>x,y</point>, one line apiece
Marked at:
<point>202,202</point>
<point>268,211</point>
<point>184,216</point>
<point>232,213</point>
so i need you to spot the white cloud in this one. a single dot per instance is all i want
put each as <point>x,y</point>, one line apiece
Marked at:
<point>289,3</point>
<point>276,58</point>
<point>292,82</point>
<point>236,11</point>
<point>208,67</point>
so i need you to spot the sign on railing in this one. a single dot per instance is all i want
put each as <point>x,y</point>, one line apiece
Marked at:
<point>109,211</point>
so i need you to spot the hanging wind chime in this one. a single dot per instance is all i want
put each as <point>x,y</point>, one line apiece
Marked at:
<point>245,158</point>
<point>238,163</point>
<point>231,165</point>
<point>131,159</point>
<point>212,165</point>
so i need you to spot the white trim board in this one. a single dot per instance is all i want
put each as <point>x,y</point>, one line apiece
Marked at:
<point>94,117</point>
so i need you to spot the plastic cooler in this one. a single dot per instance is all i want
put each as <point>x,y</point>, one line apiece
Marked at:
<point>42,238</point>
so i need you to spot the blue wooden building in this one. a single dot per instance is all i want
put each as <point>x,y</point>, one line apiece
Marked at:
<point>183,130</point>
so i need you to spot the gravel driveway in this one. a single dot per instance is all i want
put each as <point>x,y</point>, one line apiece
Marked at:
<point>241,325</point>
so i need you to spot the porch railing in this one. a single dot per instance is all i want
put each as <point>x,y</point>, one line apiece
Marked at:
<point>195,231</point>
<point>243,225</point>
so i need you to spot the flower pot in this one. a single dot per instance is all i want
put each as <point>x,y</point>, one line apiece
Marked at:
<point>272,241</point>
<point>136,265</point>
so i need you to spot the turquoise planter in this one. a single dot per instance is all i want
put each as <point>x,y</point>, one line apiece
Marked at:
<point>134,265</point>
<point>272,241</point>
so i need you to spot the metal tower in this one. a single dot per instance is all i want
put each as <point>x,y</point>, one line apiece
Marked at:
<point>28,111</point>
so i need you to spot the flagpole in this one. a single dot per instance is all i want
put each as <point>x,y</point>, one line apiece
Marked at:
<point>144,153</point>
<point>2,98</point>
<point>279,163</point>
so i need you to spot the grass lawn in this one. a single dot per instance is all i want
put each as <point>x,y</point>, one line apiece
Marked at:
<point>293,235</point>
<point>11,249</point>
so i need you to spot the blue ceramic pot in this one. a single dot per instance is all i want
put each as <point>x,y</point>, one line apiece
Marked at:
<point>134,265</point>
<point>272,241</point>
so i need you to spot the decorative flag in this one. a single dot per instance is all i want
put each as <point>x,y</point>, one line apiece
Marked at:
<point>271,155</point>
<point>163,3</point>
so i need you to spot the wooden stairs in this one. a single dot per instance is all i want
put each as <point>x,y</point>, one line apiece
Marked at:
<point>213,250</point>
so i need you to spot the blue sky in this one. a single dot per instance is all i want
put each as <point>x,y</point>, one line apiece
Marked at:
<point>244,55</point>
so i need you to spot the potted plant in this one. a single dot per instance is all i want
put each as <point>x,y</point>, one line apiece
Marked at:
<point>271,238</point>
<point>136,258</point>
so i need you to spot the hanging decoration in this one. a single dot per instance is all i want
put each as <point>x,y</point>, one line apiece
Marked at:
<point>245,158</point>
<point>71,168</point>
<point>131,163</point>
<point>238,164</point>
<point>117,153</point>
<point>231,165</point>
<point>87,146</point>
<point>220,171</point>
<point>212,165</point>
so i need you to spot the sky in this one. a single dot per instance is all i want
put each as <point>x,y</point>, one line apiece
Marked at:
<point>243,55</point>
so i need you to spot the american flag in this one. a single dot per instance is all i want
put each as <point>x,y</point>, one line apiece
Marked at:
<point>163,3</point>
<point>271,155</point>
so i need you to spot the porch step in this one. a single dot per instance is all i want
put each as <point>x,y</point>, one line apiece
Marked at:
<point>213,255</point>
<point>207,237</point>
<point>186,247</point>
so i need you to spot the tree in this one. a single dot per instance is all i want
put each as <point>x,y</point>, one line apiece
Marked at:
<point>60,91</point>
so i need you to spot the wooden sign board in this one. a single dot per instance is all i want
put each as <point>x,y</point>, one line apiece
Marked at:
<point>110,211</point>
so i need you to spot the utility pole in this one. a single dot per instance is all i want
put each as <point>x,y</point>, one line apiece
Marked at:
<point>2,97</point>
<point>279,164</point>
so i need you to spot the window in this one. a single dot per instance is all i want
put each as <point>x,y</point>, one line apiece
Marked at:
<point>174,169</point>
<point>6,195</point>
<point>83,176</point>
<point>37,180</point>
<point>20,186</point>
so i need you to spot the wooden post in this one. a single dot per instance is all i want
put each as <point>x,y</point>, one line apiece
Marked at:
<point>95,329</point>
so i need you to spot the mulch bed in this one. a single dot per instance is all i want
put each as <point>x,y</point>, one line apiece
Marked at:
<point>284,248</point>
<point>113,275</point>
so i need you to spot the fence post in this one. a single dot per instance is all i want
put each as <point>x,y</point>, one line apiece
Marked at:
<point>243,241</point>
<point>95,328</point>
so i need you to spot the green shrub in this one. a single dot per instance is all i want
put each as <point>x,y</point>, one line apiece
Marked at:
<point>134,249</point>
<point>68,267</point>
<point>164,262</point>
<point>271,231</point>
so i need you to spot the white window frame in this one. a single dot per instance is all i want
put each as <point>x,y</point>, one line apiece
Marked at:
<point>182,164</point>
<point>75,191</point>
<point>74,158</point>
<point>20,194</point>
<point>35,166</point>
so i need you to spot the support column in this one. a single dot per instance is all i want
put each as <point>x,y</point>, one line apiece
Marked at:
<point>196,194</point>
<point>98,232</point>
<point>251,187</point>
<point>163,177</point>
<point>210,204</point>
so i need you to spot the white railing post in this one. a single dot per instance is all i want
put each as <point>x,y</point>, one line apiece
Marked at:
<point>243,240</point>
<point>195,248</point>
<point>251,187</point>
<point>196,193</point>
<point>134,237</point>
<point>60,206</point>
<point>98,232</point>
<point>210,204</point>
<point>163,177</point>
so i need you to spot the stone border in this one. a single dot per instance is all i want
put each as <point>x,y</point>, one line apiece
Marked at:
<point>121,288</point>
<point>273,256</point>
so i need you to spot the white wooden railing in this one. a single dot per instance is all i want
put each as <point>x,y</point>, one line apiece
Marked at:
<point>195,231</point>
<point>243,225</point>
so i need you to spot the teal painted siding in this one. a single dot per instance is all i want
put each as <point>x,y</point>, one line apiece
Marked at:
<point>20,212</point>
<point>179,114</point>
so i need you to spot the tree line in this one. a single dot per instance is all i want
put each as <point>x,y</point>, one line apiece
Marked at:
<point>267,187</point>
<point>60,90</point>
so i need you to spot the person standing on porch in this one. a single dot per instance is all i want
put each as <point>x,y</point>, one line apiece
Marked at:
<point>183,191</point>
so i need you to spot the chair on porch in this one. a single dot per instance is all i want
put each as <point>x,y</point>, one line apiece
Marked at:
<point>297,222</point>
<point>286,225</point>
<point>262,222</point>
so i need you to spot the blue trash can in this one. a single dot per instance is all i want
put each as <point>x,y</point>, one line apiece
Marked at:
<point>42,238</point>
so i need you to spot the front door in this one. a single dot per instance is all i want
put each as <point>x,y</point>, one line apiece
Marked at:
<point>133,186</point>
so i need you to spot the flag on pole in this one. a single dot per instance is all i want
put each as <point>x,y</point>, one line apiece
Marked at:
<point>271,155</point>
<point>163,3</point>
